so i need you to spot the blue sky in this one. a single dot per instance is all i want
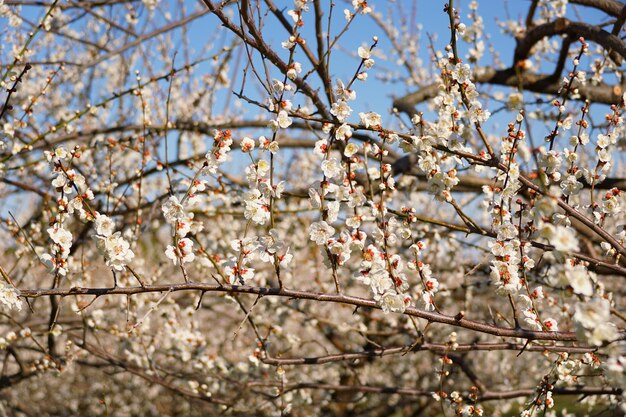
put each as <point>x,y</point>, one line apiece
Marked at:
<point>425,17</point>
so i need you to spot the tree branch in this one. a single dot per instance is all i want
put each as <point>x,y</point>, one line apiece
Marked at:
<point>307,295</point>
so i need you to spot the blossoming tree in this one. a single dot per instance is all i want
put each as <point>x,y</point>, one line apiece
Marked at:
<point>215,221</point>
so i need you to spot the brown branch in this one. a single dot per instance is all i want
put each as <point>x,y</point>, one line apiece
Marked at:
<point>617,27</point>
<point>574,30</point>
<point>407,165</point>
<point>6,106</point>
<point>598,230</point>
<point>69,5</point>
<point>266,51</point>
<point>468,370</point>
<point>8,381</point>
<point>307,295</point>
<point>537,83</point>
<point>426,346</point>
<point>531,13</point>
<point>318,65</point>
<point>147,36</point>
<point>26,187</point>
<point>154,379</point>
<point>612,7</point>
<point>576,390</point>
<point>486,396</point>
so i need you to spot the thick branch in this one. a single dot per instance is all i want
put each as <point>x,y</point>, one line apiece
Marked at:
<point>612,7</point>
<point>575,30</point>
<point>538,83</point>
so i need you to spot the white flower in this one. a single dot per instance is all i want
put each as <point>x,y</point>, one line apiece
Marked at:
<point>370,119</point>
<point>592,312</point>
<point>603,141</point>
<point>290,43</point>
<point>173,211</point>
<point>356,199</point>
<point>570,185</point>
<point>379,280</point>
<point>550,161</point>
<point>604,155</point>
<point>9,296</point>
<point>211,164</point>
<point>476,112</point>
<point>48,261</point>
<point>247,144</point>
<point>611,205</point>
<point>507,231</point>
<point>515,100</point>
<point>183,227</point>
<point>301,5</point>
<point>350,149</point>
<point>283,119</point>
<point>461,73</point>
<point>8,128</point>
<point>579,279</point>
<point>364,52</point>
<point>564,239</point>
<point>59,181</point>
<point>592,320</point>
<point>257,208</point>
<point>361,4</point>
<point>269,245</point>
<point>285,259</point>
<point>263,167</point>
<point>567,123</point>
<point>343,93</point>
<point>315,199</point>
<point>184,252</point>
<point>237,274</point>
<point>104,225</point>
<point>341,110</point>
<point>332,210</point>
<point>321,147</point>
<point>331,167</point>
<point>150,4</point>
<point>354,221</point>
<point>506,276</point>
<point>320,232</point>
<point>603,332</point>
<point>615,370</point>
<point>60,153</point>
<point>393,303</point>
<point>343,132</point>
<point>61,237</point>
<point>294,70</point>
<point>116,250</point>
<point>273,147</point>
<point>551,325</point>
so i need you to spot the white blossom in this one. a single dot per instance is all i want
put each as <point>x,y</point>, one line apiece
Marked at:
<point>9,297</point>
<point>104,225</point>
<point>116,250</point>
<point>341,110</point>
<point>331,167</point>
<point>320,232</point>
<point>370,119</point>
<point>343,132</point>
<point>393,303</point>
